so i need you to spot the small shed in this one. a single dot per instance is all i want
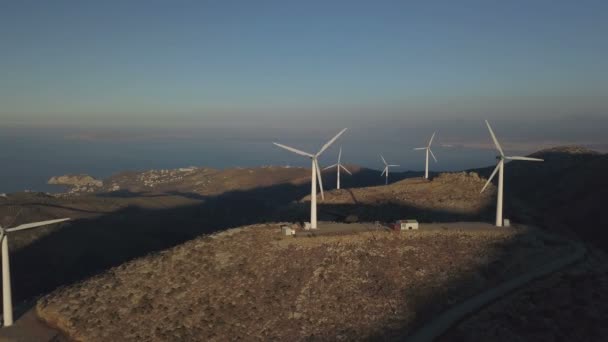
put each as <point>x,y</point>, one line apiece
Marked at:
<point>406,224</point>
<point>287,230</point>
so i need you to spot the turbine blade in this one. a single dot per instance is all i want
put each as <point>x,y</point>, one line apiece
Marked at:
<point>524,158</point>
<point>384,161</point>
<point>491,177</point>
<point>495,140</point>
<point>383,171</point>
<point>391,165</point>
<point>345,169</point>
<point>294,150</point>
<point>320,178</point>
<point>431,141</point>
<point>432,155</point>
<point>420,148</point>
<point>329,167</point>
<point>340,155</point>
<point>330,142</point>
<point>35,224</point>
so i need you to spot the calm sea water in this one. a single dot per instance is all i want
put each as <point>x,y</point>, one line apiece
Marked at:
<point>28,162</point>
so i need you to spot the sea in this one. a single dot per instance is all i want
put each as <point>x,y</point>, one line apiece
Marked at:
<point>28,162</point>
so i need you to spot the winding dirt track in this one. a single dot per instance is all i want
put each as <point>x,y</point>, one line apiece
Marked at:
<point>438,326</point>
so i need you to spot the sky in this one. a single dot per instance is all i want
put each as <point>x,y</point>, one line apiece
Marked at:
<point>298,71</point>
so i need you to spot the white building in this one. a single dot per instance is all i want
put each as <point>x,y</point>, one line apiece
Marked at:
<point>407,224</point>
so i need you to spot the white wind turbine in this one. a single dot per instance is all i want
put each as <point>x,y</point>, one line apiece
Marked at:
<point>386,166</point>
<point>338,166</point>
<point>428,150</point>
<point>316,173</point>
<point>6,270</point>
<point>501,167</point>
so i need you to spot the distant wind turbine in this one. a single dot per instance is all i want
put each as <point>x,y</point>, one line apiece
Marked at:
<point>316,173</point>
<point>501,167</point>
<point>386,166</point>
<point>338,166</point>
<point>7,299</point>
<point>428,150</point>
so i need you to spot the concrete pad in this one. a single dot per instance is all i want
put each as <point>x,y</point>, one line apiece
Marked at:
<point>337,228</point>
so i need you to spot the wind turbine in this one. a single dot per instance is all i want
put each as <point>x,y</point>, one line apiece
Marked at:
<point>338,166</point>
<point>316,173</point>
<point>501,167</point>
<point>386,166</point>
<point>428,150</point>
<point>6,270</point>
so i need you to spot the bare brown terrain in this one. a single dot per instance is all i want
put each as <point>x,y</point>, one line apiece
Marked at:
<point>253,283</point>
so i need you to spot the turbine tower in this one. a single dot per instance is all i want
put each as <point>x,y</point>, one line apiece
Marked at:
<point>428,150</point>
<point>338,166</point>
<point>501,167</point>
<point>316,173</point>
<point>7,299</point>
<point>386,166</point>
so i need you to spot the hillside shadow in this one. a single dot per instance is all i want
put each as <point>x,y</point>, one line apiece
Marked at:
<point>563,194</point>
<point>85,247</point>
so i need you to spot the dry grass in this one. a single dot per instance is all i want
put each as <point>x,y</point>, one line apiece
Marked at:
<point>254,284</point>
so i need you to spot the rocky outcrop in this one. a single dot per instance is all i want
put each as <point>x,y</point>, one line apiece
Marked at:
<point>77,183</point>
<point>76,180</point>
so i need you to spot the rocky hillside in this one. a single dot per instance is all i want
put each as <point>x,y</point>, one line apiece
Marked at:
<point>143,212</point>
<point>252,283</point>
<point>570,305</point>
<point>78,183</point>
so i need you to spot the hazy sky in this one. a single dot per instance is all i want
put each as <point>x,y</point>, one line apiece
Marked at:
<point>315,65</point>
